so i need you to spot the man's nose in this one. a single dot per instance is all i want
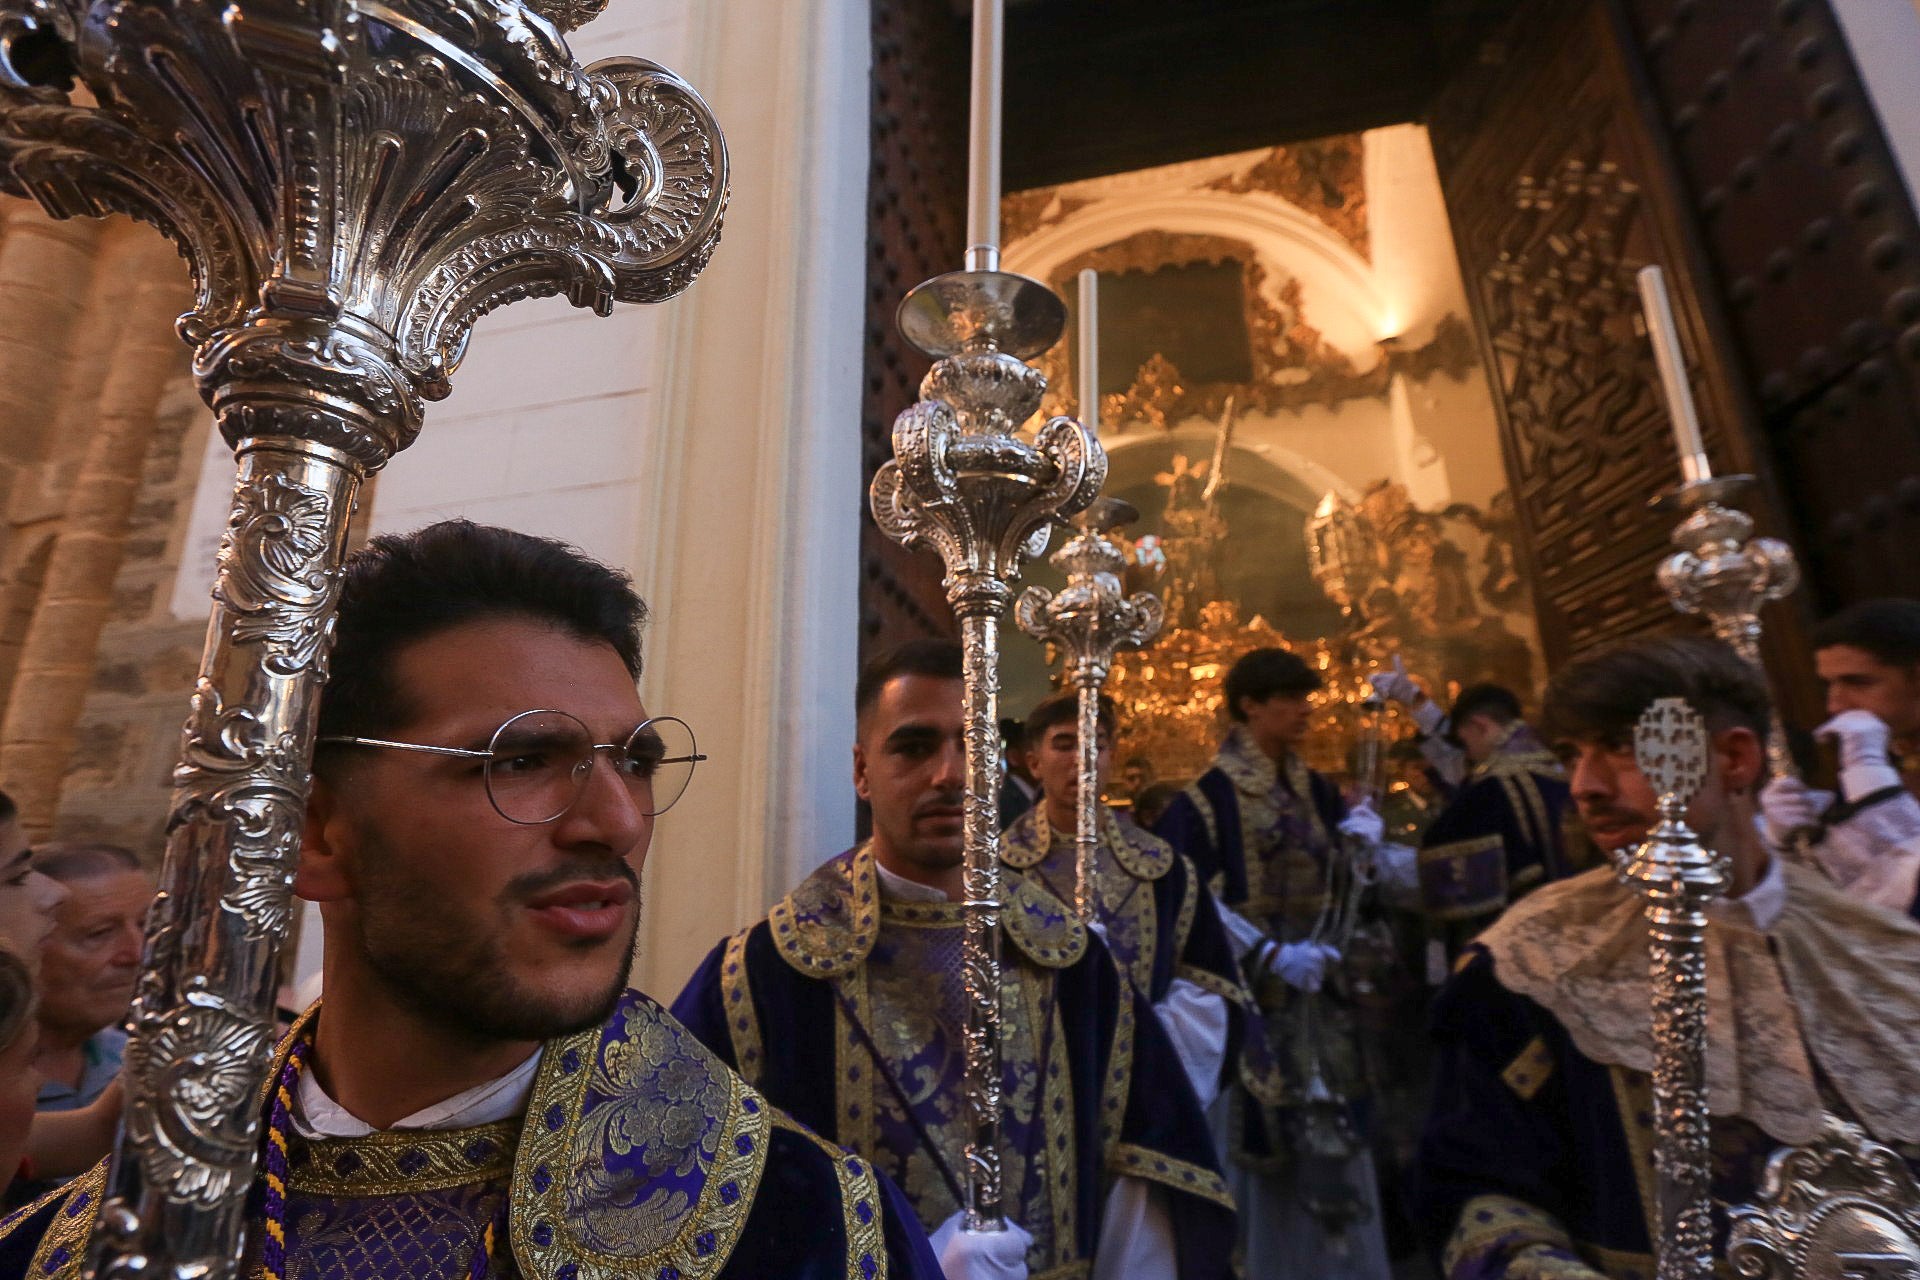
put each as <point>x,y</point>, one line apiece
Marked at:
<point>608,812</point>
<point>127,946</point>
<point>950,768</point>
<point>1837,700</point>
<point>1591,776</point>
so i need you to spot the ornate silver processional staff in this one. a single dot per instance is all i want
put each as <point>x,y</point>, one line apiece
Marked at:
<point>1678,878</point>
<point>1093,617</point>
<point>354,183</point>
<point>1723,573</point>
<point>963,484</point>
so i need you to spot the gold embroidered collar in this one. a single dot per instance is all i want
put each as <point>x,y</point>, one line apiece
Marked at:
<point>1254,772</point>
<point>827,926</point>
<point>1834,981</point>
<point>1140,854</point>
<point>1519,751</point>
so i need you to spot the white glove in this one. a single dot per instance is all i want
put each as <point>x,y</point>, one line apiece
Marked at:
<point>1362,823</point>
<point>1788,803</point>
<point>1303,965</point>
<point>1396,685</point>
<point>981,1255</point>
<point>1864,765</point>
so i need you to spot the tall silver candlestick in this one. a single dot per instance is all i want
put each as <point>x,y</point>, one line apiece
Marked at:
<point>1721,572</point>
<point>1678,878</point>
<point>354,185</point>
<point>962,484</point>
<point>1724,574</point>
<point>1090,620</point>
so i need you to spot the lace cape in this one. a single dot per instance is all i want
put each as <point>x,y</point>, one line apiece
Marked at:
<point>1833,982</point>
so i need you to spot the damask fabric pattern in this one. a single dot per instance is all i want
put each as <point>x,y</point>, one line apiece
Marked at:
<point>640,1155</point>
<point>1498,838</point>
<point>1161,923</point>
<point>851,1007</point>
<point>1261,836</point>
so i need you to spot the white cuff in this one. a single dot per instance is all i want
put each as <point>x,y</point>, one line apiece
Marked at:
<point>1136,1235</point>
<point>1196,1022</point>
<point>1861,780</point>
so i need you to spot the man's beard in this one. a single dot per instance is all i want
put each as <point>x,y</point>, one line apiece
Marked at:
<point>450,972</point>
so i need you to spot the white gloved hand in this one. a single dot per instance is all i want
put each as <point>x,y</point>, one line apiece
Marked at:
<point>1864,765</point>
<point>981,1255</point>
<point>1396,685</point>
<point>1303,965</point>
<point>1788,804</point>
<point>1362,823</point>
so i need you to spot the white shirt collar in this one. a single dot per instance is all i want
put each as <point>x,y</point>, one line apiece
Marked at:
<point>901,889</point>
<point>1763,903</point>
<point>319,1116</point>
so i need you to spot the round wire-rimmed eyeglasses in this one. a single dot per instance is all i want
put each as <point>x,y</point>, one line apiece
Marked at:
<point>537,763</point>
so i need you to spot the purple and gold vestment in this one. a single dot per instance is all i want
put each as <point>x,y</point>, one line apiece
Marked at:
<point>640,1156</point>
<point>847,1007</point>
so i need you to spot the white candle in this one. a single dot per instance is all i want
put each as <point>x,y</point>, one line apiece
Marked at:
<point>983,139</point>
<point>1673,375</point>
<point>1090,350</point>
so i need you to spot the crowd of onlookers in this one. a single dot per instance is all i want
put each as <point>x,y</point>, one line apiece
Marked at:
<point>72,918</point>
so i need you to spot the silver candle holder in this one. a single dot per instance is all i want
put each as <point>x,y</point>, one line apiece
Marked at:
<point>1088,621</point>
<point>962,484</point>
<point>354,183</point>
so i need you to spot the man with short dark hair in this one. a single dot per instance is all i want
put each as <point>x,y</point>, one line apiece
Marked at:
<point>1499,835</point>
<point>1263,830</point>
<point>848,1006</point>
<point>1868,836</point>
<point>479,1094</point>
<point>1159,921</point>
<point>88,965</point>
<point>1537,1155</point>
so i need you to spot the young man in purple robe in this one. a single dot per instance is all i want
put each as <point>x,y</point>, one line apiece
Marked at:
<point>847,1006</point>
<point>478,1093</point>
<point>1538,1155</point>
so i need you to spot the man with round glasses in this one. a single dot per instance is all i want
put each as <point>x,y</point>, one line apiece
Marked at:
<point>479,1094</point>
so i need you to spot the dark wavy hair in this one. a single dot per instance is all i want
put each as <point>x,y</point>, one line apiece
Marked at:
<point>1265,673</point>
<point>1598,698</point>
<point>1888,629</point>
<point>405,587</point>
<point>1064,708</point>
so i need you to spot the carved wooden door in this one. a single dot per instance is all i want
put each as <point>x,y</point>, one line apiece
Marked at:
<point>1558,195</point>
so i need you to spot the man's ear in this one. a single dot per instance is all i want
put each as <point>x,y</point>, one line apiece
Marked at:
<point>1742,759</point>
<point>325,841</point>
<point>860,788</point>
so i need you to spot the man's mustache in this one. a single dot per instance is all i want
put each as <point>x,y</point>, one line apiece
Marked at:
<point>532,884</point>
<point>940,800</point>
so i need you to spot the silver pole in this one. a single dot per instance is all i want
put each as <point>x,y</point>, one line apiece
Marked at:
<point>1090,620</point>
<point>962,484</point>
<point>1678,878</point>
<point>286,149</point>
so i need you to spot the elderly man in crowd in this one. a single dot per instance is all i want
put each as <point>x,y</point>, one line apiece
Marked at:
<point>88,965</point>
